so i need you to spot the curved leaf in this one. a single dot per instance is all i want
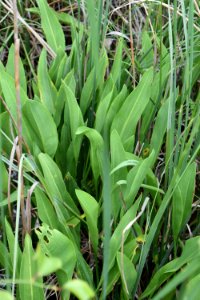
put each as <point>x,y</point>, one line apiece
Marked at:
<point>91,210</point>
<point>80,289</point>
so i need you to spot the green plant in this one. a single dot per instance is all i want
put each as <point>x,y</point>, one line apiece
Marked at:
<point>100,207</point>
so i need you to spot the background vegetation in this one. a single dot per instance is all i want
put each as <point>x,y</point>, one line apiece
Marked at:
<point>100,144</point>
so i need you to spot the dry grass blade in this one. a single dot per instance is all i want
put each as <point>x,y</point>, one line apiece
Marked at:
<point>9,175</point>
<point>18,105</point>
<point>9,8</point>
<point>139,2</point>
<point>28,206</point>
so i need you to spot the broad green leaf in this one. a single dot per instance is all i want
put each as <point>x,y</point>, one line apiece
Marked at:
<point>126,120</point>
<point>125,163</point>
<point>61,154</point>
<point>47,90</point>
<point>106,88</point>
<point>46,265</point>
<point>5,260</point>
<point>117,64</point>
<point>182,200</point>
<point>191,290</point>
<point>88,88</point>
<point>53,243</point>
<point>127,271</point>
<point>55,187</point>
<point>8,88</point>
<point>60,99</point>
<point>96,148</point>
<point>36,119</point>
<point>27,272</point>
<point>93,32</point>
<point>4,178</point>
<point>4,295</point>
<point>6,138</point>
<point>80,289</point>
<point>118,156</point>
<point>74,116</point>
<point>11,69</point>
<point>91,210</point>
<point>191,251</point>
<point>55,65</point>
<point>46,211</point>
<point>115,107</point>
<point>158,86</point>
<point>66,18</point>
<point>102,111</point>
<point>11,244</point>
<point>51,26</point>
<point>147,58</point>
<point>136,177</point>
<point>62,70</point>
<point>159,128</point>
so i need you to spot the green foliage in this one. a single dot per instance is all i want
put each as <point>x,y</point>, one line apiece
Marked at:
<point>51,26</point>
<point>110,156</point>
<point>27,272</point>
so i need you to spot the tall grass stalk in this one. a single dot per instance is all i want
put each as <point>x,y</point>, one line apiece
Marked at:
<point>18,104</point>
<point>2,214</point>
<point>171,109</point>
<point>106,217</point>
<point>15,256</point>
<point>188,33</point>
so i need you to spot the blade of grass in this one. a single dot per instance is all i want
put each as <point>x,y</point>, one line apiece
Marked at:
<point>17,224</point>
<point>171,107</point>
<point>18,105</point>
<point>106,218</point>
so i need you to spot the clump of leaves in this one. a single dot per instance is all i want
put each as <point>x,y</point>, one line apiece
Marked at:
<point>101,201</point>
